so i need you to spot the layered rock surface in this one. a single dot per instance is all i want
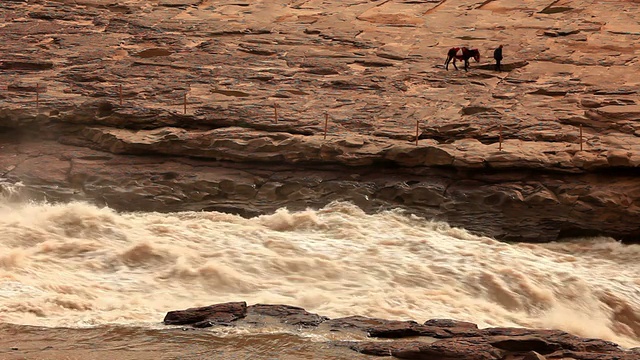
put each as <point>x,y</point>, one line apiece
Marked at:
<point>92,106</point>
<point>436,339</point>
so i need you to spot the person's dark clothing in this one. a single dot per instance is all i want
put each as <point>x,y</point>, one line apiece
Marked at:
<point>497,55</point>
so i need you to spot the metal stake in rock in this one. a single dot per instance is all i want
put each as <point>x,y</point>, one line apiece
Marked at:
<point>38,97</point>
<point>275,112</point>
<point>580,137</point>
<point>326,124</point>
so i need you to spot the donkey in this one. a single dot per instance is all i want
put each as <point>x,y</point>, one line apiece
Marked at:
<point>467,54</point>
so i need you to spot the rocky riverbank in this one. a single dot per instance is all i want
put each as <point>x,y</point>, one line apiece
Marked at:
<point>94,94</point>
<point>436,339</point>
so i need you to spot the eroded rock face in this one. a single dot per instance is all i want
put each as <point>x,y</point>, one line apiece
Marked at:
<point>521,205</point>
<point>442,339</point>
<point>190,106</point>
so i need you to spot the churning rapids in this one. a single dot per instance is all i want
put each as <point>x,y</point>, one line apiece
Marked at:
<point>77,266</point>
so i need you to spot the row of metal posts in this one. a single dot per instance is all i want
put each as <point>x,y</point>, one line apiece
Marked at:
<point>275,109</point>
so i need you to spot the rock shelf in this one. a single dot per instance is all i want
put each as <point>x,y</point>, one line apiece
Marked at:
<point>92,107</point>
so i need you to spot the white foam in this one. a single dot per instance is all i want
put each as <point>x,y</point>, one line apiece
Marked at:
<point>77,265</point>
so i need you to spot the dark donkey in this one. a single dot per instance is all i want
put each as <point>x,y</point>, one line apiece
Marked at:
<point>466,55</point>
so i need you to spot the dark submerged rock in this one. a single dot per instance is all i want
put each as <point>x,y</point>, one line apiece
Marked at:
<point>291,315</point>
<point>219,313</point>
<point>436,339</point>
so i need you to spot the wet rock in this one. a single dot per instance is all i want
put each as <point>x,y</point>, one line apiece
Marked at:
<point>409,348</point>
<point>367,324</point>
<point>449,323</point>
<point>524,343</point>
<point>443,339</point>
<point>440,350</point>
<point>406,329</point>
<point>205,324</point>
<point>581,355</point>
<point>290,315</point>
<point>213,314</point>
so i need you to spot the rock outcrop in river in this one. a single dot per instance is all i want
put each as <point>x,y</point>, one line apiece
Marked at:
<point>436,339</point>
<point>247,106</point>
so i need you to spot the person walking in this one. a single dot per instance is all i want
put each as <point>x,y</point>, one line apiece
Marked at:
<point>497,55</point>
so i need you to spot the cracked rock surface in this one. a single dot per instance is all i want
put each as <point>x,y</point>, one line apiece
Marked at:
<point>93,96</point>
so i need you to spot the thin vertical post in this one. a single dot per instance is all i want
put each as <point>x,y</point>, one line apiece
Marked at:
<point>500,136</point>
<point>120,93</point>
<point>184,102</point>
<point>326,124</point>
<point>580,137</point>
<point>38,97</point>
<point>417,129</point>
<point>275,112</point>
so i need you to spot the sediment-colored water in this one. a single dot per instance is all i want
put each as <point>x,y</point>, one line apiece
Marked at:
<point>79,266</point>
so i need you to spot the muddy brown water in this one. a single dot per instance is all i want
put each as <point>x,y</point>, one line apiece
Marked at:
<point>19,342</point>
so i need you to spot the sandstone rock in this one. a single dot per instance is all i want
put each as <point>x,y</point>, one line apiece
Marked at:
<point>532,355</point>
<point>542,197</point>
<point>25,65</point>
<point>619,158</point>
<point>356,63</point>
<point>177,3</point>
<point>555,33</point>
<point>628,112</point>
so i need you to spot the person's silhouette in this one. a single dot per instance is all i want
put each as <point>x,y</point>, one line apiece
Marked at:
<point>497,55</point>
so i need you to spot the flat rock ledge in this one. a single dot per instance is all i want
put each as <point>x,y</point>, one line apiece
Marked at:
<point>436,339</point>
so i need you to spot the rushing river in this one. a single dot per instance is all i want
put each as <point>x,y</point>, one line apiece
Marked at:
<point>82,267</point>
